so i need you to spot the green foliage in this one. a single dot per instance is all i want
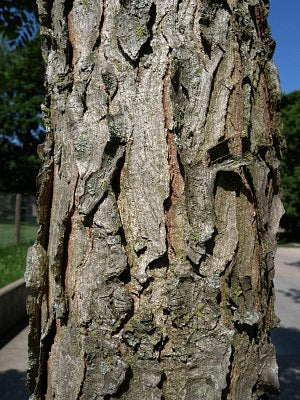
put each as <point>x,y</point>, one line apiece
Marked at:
<point>290,165</point>
<point>21,93</point>
<point>18,22</point>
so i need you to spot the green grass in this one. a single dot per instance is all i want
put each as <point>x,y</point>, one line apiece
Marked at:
<point>12,263</point>
<point>288,244</point>
<point>12,256</point>
<point>7,234</point>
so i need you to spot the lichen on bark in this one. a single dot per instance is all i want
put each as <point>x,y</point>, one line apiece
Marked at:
<point>159,202</point>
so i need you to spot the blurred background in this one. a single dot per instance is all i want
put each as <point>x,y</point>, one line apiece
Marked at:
<point>284,23</point>
<point>21,131</point>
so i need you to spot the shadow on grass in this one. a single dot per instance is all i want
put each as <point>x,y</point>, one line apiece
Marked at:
<point>287,343</point>
<point>13,385</point>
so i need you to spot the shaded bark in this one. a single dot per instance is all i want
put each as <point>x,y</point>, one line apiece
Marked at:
<point>151,277</point>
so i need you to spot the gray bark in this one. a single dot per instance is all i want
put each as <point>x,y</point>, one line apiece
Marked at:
<point>151,277</point>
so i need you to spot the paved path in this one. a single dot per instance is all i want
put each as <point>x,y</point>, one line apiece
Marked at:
<point>13,356</point>
<point>13,366</point>
<point>287,337</point>
<point>287,284</point>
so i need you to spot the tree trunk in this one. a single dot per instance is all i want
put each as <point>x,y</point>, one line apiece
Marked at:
<point>18,205</point>
<point>151,277</point>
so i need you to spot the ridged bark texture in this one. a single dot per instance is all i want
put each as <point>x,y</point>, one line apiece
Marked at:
<point>151,277</point>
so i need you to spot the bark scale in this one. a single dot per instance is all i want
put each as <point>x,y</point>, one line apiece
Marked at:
<point>151,277</point>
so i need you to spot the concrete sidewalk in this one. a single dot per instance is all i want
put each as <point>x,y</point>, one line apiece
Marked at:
<point>13,367</point>
<point>286,338</point>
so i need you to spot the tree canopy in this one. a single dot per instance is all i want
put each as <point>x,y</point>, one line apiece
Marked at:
<point>290,166</point>
<point>21,83</point>
<point>18,22</point>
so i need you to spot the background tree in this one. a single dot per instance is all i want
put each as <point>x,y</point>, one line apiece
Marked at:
<point>152,273</point>
<point>21,94</point>
<point>18,22</point>
<point>21,82</point>
<point>290,166</point>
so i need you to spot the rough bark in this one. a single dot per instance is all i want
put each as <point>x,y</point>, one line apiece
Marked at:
<point>151,277</point>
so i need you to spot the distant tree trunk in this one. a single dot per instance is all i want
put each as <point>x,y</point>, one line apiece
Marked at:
<point>151,277</point>
<point>18,205</point>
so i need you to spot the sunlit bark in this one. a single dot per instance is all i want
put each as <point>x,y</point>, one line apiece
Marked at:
<point>152,274</point>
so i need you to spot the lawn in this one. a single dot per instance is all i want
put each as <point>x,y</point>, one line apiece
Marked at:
<point>7,234</point>
<point>289,244</point>
<point>13,257</point>
<point>12,263</point>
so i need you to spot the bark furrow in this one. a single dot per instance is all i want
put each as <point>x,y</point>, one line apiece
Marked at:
<point>151,277</point>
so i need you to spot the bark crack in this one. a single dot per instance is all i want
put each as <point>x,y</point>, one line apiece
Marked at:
<point>99,182</point>
<point>213,82</point>
<point>102,20</point>
<point>146,48</point>
<point>226,391</point>
<point>176,178</point>
<point>253,206</point>
<point>71,36</point>
<point>123,388</point>
<point>47,340</point>
<point>80,394</point>
<point>178,5</point>
<point>45,196</point>
<point>45,11</point>
<point>61,277</point>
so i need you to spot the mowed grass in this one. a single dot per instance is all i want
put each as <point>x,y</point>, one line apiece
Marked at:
<point>12,263</point>
<point>12,256</point>
<point>289,244</point>
<point>7,234</point>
